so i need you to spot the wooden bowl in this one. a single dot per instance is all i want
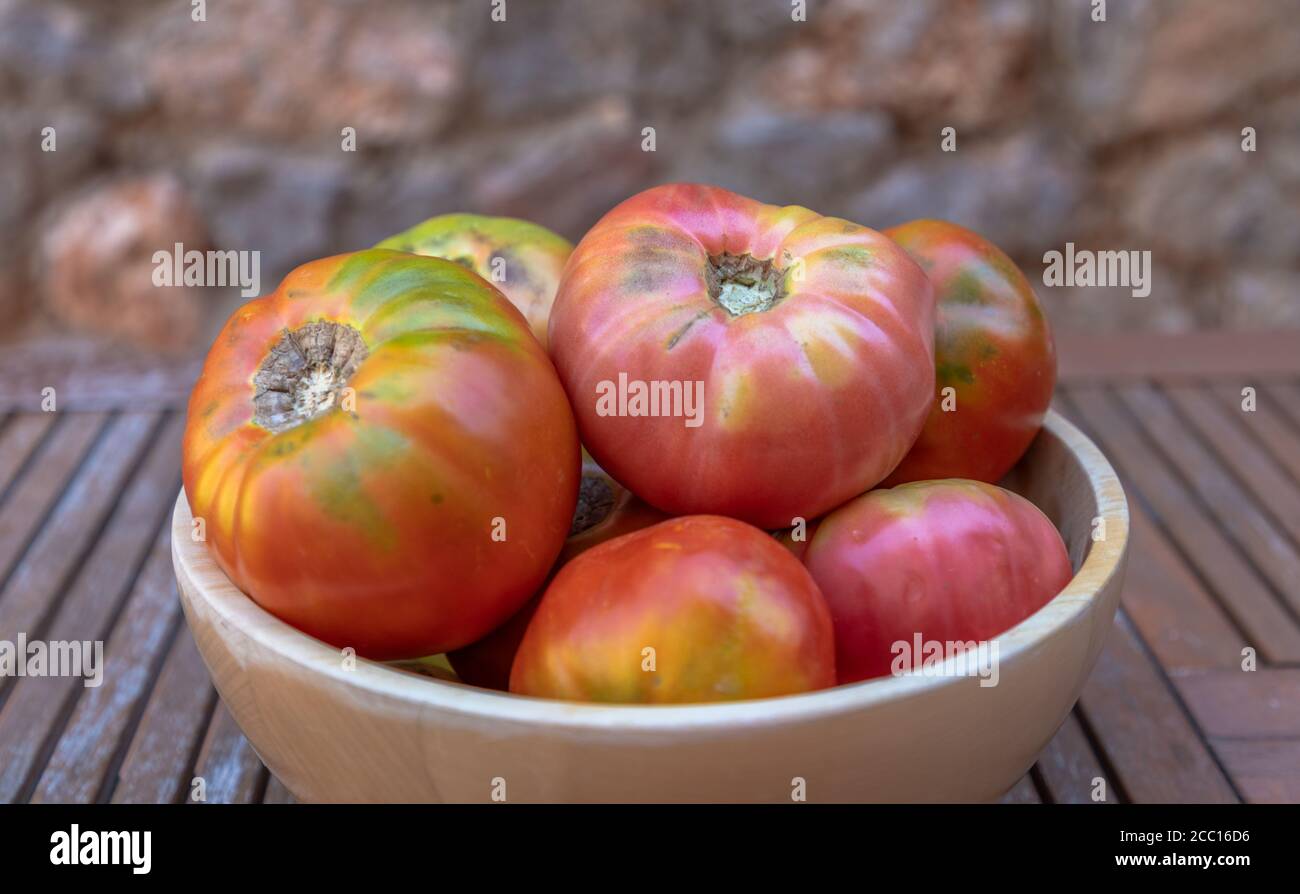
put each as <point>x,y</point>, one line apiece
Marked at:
<point>367,732</point>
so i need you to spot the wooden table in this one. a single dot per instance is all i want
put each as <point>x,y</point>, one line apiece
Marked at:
<point>1169,714</point>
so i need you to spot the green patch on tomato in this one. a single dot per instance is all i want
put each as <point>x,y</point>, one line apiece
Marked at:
<point>964,288</point>
<point>953,372</point>
<point>845,254</point>
<point>337,488</point>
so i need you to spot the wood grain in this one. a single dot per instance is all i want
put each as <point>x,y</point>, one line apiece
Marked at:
<point>1268,424</point>
<point>1070,768</point>
<point>36,582</point>
<point>90,374</point>
<point>1268,771</point>
<point>27,503</point>
<point>1264,482</point>
<point>231,770</point>
<point>1178,619</point>
<point>19,436</point>
<point>1271,552</point>
<point>1023,792</point>
<point>158,768</point>
<point>36,706</point>
<point>1157,753</point>
<point>85,760</point>
<point>1259,704</point>
<point>1285,396</point>
<point>1242,593</point>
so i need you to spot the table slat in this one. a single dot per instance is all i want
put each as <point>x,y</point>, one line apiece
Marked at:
<point>1258,704</point>
<point>1267,771</point>
<point>1069,767</point>
<point>159,764</point>
<point>18,438</point>
<point>1023,792</point>
<point>1266,482</point>
<point>1148,739</point>
<point>80,768</point>
<point>1286,396</point>
<point>1270,550</point>
<point>1236,585</point>
<point>31,497</point>
<point>1178,619</point>
<point>33,589</point>
<point>1269,424</point>
<point>35,706</point>
<point>231,770</point>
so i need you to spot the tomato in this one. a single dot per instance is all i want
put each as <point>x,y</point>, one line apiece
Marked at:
<point>605,510</point>
<point>521,258</point>
<point>950,561</point>
<point>694,609</point>
<point>992,346</point>
<point>789,355</point>
<point>382,454</point>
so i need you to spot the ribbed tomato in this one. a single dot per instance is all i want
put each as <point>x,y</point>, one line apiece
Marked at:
<point>694,609</point>
<point>382,454</point>
<point>522,259</point>
<point>948,561</point>
<point>992,347</point>
<point>605,510</point>
<point>725,356</point>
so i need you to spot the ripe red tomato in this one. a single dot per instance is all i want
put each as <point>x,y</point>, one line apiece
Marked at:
<point>950,561</point>
<point>605,510</point>
<point>382,454</point>
<point>774,362</point>
<point>695,609</point>
<point>520,258</point>
<point>992,346</point>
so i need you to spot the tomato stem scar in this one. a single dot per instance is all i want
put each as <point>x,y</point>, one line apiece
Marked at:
<point>743,284</point>
<point>303,373</point>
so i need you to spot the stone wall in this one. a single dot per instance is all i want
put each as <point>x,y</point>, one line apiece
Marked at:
<point>1123,134</point>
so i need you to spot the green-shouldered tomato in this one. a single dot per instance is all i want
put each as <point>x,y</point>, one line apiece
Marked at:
<point>992,347</point>
<point>521,258</point>
<point>381,454</point>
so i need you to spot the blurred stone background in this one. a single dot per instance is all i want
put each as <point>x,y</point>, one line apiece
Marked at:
<point>226,133</point>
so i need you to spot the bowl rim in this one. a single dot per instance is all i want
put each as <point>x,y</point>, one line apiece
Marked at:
<point>232,607</point>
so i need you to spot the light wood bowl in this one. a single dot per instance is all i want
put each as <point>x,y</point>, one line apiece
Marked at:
<point>372,733</point>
